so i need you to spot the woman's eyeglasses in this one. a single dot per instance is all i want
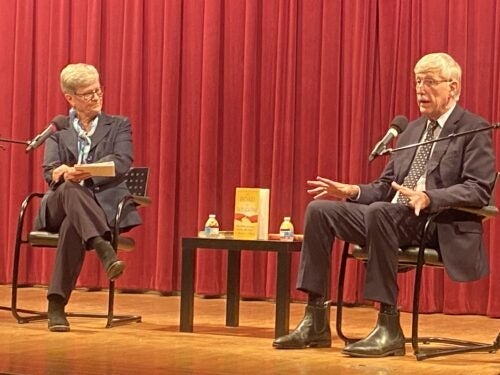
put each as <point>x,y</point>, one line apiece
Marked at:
<point>89,95</point>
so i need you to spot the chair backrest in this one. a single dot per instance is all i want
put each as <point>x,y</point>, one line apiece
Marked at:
<point>137,180</point>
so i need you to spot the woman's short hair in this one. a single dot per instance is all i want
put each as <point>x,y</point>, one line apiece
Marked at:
<point>78,75</point>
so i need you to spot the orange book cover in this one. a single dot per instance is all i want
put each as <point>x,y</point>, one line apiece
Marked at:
<point>251,214</point>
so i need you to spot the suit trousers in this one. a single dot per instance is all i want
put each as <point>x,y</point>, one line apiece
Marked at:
<point>382,227</point>
<point>73,212</point>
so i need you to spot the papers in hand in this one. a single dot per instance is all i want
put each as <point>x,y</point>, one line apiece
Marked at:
<point>104,169</point>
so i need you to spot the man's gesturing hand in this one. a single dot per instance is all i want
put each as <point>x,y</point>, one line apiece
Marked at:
<point>323,187</point>
<point>418,200</point>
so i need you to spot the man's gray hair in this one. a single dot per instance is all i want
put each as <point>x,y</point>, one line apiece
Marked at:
<point>442,64</point>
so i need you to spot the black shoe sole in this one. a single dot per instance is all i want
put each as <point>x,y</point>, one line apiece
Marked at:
<point>115,270</point>
<point>394,352</point>
<point>313,345</point>
<point>59,328</point>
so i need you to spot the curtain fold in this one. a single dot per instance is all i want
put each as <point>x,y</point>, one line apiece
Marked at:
<point>229,93</point>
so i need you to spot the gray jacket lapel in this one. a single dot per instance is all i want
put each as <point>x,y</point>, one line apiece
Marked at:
<point>69,138</point>
<point>103,127</point>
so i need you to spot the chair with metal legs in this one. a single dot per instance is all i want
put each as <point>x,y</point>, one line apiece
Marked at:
<point>417,257</point>
<point>136,180</point>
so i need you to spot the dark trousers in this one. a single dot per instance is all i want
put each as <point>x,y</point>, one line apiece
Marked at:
<point>73,212</point>
<point>382,227</point>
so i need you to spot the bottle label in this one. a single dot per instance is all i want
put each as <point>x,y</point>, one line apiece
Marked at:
<point>212,231</point>
<point>286,234</point>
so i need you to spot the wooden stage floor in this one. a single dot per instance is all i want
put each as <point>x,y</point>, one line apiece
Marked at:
<point>156,346</point>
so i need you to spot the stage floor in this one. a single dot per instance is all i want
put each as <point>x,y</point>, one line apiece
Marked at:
<point>156,346</point>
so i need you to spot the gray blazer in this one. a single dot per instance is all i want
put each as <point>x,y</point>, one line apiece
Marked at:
<point>460,172</point>
<point>111,141</point>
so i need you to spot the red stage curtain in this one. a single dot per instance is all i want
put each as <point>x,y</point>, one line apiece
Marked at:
<point>227,93</point>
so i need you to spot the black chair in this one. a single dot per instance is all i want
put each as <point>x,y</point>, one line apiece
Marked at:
<point>136,180</point>
<point>417,257</point>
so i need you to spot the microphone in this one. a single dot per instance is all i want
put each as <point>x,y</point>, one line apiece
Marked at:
<point>398,125</point>
<point>58,123</point>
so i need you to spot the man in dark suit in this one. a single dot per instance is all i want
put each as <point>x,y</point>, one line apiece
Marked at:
<point>391,211</point>
<point>82,208</point>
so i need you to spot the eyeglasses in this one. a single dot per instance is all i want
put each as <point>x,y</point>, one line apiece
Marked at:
<point>429,82</point>
<point>88,96</point>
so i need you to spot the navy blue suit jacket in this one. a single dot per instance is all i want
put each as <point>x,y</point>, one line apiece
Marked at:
<point>111,141</point>
<point>460,172</point>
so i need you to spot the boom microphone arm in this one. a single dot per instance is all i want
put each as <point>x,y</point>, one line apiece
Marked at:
<point>450,136</point>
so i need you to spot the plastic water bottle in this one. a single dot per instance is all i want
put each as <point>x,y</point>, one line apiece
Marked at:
<point>286,230</point>
<point>212,227</point>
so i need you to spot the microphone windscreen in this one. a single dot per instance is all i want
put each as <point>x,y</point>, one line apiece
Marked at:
<point>399,123</point>
<point>60,121</point>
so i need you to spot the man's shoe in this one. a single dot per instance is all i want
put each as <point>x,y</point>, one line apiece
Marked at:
<point>312,332</point>
<point>386,339</point>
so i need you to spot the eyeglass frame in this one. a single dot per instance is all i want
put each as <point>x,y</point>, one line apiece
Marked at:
<point>88,96</point>
<point>429,82</point>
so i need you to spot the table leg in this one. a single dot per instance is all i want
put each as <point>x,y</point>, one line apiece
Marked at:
<point>187,289</point>
<point>282,320</point>
<point>233,288</point>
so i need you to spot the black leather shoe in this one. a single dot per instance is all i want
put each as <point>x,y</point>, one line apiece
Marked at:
<point>114,267</point>
<point>386,339</point>
<point>57,316</point>
<point>115,270</point>
<point>312,332</point>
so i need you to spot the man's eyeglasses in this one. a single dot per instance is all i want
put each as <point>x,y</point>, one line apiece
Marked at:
<point>89,95</point>
<point>429,82</point>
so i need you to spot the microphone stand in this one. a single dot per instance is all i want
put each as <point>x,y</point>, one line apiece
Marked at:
<point>26,143</point>
<point>450,136</point>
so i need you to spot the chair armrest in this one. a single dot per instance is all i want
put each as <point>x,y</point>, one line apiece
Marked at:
<point>141,201</point>
<point>487,211</point>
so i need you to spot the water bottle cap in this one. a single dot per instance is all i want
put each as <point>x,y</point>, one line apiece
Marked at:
<point>211,215</point>
<point>287,218</point>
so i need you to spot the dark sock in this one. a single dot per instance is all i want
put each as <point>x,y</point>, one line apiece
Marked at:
<point>388,309</point>
<point>98,242</point>
<point>314,299</point>
<point>56,298</point>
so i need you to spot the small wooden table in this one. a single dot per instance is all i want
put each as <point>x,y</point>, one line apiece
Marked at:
<point>234,247</point>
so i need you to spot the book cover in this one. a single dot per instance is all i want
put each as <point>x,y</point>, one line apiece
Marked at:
<point>251,214</point>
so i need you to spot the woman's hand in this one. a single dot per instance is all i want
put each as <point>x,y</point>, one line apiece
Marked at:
<point>69,174</point>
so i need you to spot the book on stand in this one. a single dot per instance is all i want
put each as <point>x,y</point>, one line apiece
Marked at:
<point>251,214</point>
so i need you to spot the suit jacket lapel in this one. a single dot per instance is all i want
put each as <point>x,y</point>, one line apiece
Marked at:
<point>103,127</point>
<point>441,147</point>
<point>69,138</point>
